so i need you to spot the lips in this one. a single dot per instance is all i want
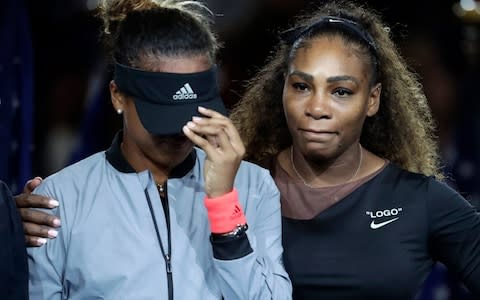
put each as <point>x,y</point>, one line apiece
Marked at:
<point>318,131</point>
<point>317,135</point>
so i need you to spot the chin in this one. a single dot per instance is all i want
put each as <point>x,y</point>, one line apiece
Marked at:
<point>178,149</point>
<point>320,151</point>
<point>319,147</point>
<point>172,142</point>
<point>170,155</point>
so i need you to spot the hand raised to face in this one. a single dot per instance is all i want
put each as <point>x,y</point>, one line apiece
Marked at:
<point>216,135</point>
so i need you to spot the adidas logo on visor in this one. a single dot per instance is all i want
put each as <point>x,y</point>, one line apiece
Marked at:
<point>185,92</point>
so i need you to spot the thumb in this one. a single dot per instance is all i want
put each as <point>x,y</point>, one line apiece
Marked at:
<point>32,184</point>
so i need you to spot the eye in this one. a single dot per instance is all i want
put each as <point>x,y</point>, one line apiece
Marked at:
<point>342,92</point>
<point>300,86</point>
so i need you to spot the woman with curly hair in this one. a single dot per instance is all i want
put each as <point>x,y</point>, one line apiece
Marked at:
<point>345,130</point>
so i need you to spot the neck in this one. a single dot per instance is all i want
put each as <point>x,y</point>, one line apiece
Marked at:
<point>141,163</point>
<point>314,173</point>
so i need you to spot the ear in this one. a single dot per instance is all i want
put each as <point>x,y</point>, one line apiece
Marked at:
<point>374,100</point>
<point>118,99</point>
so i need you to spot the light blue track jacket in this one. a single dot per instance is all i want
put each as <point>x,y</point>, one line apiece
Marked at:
<point>107,247</point>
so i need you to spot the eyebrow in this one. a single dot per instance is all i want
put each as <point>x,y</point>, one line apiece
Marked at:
<point>309,78</point>
<point>303,75</point>
<point>343,78</point>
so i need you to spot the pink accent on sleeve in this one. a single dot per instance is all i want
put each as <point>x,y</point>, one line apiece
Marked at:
<point>225,212</point>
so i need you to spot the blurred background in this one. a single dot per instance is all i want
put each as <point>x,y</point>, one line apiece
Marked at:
<point>55,107</point>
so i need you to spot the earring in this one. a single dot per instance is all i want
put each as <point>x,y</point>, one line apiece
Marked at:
<point>119,111</point>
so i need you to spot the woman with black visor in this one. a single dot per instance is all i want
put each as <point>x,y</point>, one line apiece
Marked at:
<point>154,217</point>
<point>346,132</point>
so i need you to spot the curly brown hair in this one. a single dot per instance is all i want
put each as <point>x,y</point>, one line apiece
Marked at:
<point>403,129</point>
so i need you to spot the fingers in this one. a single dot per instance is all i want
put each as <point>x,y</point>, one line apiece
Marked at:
<point>34,241</point>
<point>217,136</point>
<point>36,235</point>
<point>226,123</point>
<point>216,125</point>
<point>235,140</point>
<point>210,113</point>
<point>207,144</point>
<point>32,184</point>
<point>212,139</point>
<point>29,215</point>
<point>35,201</point>
<point>38,226</point>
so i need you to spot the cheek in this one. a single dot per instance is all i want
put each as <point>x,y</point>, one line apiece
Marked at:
<point>132,119</point>
<point>291,109</point>
<point>290,115</point>
<point>285,104</point>
<point>284,101</point>
<point>135,128</point>
<point>353,123</point>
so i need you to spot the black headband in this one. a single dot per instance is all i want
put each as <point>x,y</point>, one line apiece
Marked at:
<point>292,35</point>
<point>167,88</point>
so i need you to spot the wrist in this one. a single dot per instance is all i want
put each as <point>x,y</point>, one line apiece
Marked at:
<point>225,213</point>
<point>219,192</point>
<point>239,230</point>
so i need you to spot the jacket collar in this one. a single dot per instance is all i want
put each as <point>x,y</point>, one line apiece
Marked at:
<point>119,162</point>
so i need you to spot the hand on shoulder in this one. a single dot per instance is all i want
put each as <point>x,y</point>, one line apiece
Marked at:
<point>37,225</point>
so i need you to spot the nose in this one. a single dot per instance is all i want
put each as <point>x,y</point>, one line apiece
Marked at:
<point>318,107</point>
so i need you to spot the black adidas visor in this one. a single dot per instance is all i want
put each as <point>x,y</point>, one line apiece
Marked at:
<point>165,102</point>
